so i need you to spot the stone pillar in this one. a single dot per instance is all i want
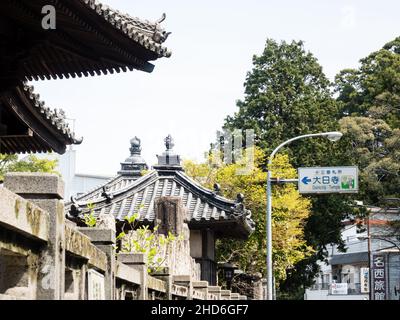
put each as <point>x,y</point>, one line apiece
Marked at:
<point>169,215</point>
<point>137,261</point>
<point>258,288</point>
<point>201,286</point>
<point>104,239</point>
<point>165,276</point>
<point>184,281</point>
<point>225,294</point>
<point>215,290</point>
<point>235,296</point>
<point>46,191</point>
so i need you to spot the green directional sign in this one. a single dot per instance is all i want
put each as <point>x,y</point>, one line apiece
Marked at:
<point>328,180</point>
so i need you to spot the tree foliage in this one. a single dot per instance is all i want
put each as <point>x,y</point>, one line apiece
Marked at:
<point>373,90</point>
<point>375,147</point>
<point>286,95</point>
<point>289,213</point>
<point>10,163</point>
<point>155,246</point>
<point>369,99</point>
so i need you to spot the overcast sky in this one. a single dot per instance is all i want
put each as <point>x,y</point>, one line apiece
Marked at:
<point>212,44</point>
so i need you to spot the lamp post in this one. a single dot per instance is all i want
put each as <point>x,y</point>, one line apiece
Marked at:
<point>332,136</point>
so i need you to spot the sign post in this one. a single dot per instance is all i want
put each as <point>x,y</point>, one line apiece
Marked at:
<point>328,180</point>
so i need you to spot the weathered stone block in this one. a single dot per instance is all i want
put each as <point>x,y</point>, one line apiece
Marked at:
<point>124,272</point>
<point>42,185</point>
<point>235,296</point>
<point>200,284</point>
<point>104,236</point>
<point>132,258</point>
<point>18,214</point>
<point>181,278</point>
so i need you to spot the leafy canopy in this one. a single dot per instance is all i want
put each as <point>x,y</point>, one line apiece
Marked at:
<point>10,163</point>
<point>289,213</point>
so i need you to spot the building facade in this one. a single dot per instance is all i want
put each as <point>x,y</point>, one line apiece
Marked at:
<point>351,275</point>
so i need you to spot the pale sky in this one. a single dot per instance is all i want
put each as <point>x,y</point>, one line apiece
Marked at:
<point>212,43</point>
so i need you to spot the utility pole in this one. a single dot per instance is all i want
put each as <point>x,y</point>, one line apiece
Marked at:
<point>369,259</point>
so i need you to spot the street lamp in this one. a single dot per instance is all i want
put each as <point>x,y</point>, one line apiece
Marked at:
<point>332,136</point>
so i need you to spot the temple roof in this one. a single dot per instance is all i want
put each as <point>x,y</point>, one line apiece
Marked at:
<point>90,38</point>
<point>123,197</point>
<point>28,125</point>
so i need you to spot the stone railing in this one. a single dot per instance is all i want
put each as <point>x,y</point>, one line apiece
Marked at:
<point>45,256</point>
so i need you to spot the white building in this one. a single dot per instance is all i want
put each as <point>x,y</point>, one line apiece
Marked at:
<point>345,268</point>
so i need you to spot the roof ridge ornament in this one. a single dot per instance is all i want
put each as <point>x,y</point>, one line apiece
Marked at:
<point>163,16</point>
<point>106,194</point>
<point>169,160</point>
<point>240,211</point>
<point>160,35</point>
<point>169,143</point>
<point>135,146</point>
<point>135,164</point>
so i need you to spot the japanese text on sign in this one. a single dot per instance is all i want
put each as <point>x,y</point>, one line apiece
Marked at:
<point>328,180</point>
<point>379,277</point>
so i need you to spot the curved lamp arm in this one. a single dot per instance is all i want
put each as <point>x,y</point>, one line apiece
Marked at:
<point>333,136</point>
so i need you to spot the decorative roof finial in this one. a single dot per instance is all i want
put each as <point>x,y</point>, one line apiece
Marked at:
<point>169,159</point>
<point>135,164</point>
<point>169,142</point>
<point>135,146</point>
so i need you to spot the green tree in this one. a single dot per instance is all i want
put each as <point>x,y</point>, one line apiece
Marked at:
<point>373,90</point>
<point>375,147</point>
<point>369,99</point>
<point>10,163</point>
<point>289,213</point>
<point>286,95</point>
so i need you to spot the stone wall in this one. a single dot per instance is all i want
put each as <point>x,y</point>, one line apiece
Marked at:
<point>46,257</point>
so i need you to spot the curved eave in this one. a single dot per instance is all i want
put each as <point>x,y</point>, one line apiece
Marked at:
<point>89,39</point>
<point>137,30</point>
<point>227,228</point>
<point>46,128</point>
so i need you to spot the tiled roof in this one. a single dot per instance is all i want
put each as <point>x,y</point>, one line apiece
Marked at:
<point>138,197</point>
<point>349,258</point>
<point>47,127</point>
<point>56,117</point>
<point>148,34</point>
<point>90,38</point>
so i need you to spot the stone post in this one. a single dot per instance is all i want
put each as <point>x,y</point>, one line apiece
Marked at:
<point>201,286</point>
<point>137,261</point>
<point>225,294</point>
<point>258,287</point>
<point>104,239</point>
<point>165,276</point>
<point>184,281</point>
<point>215,290</point>
<point>46,191</point>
